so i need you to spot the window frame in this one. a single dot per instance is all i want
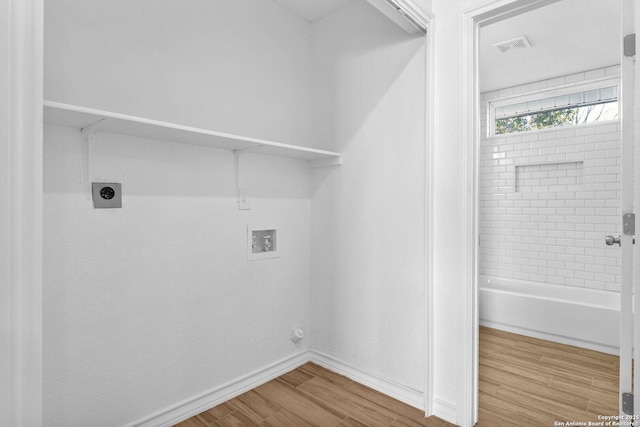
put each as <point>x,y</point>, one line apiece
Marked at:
<point>567,89</point>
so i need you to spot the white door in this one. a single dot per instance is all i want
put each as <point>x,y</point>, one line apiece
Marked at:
<point>626,239</point>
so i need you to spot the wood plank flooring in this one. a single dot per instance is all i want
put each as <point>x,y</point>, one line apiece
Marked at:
<point>524,382</point>
<point>313,396</point>
<point>531,382</point>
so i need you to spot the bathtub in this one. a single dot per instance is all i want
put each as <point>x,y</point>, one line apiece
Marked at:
<point>577,316</point>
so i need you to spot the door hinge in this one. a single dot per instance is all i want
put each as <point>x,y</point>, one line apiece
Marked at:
<point>629,45</point>
<point>629,224</point>
<point>627,403</point>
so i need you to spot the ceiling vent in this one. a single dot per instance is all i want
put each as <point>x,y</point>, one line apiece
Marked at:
<point>519,43</point>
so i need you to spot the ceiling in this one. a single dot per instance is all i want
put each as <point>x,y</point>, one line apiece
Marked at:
<point>567,37</point>
<point>312,10</point>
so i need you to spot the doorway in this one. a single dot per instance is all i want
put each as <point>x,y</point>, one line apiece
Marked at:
<point>543,201</point>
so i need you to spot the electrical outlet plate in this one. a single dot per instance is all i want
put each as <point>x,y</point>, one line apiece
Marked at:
<point>262,243</point>
<point>106,195</point>
<point>243,199</point>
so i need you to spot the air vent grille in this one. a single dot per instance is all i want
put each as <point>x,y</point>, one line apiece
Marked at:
<point>517,43</point>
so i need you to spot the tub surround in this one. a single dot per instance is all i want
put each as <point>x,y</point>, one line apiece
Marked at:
<point>548,198</point>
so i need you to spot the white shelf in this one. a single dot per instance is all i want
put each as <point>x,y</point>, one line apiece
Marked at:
<point>57,113</point>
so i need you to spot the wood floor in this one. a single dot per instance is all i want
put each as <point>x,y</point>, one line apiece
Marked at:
<point>524,382</point>
<point>313,396</point>
<point>530,382</point>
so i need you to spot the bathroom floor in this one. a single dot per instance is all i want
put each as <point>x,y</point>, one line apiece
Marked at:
<point>532,382</point>
<point>313,396</point>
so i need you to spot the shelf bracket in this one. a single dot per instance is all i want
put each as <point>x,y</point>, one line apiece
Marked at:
<point>325,162</point>
<point>241,193</point>
<point>247,149</point>
<point>88,133</point>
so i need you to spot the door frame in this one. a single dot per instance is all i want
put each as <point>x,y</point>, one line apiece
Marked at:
<point>636,197</point>
<point>21,88</point>
<point>469,320</point>
<point>429,161</point>
<point>627,203</point>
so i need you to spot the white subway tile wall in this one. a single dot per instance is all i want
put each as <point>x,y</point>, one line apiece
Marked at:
<point>548,198</point>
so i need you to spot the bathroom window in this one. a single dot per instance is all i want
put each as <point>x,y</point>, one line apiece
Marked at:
<point>577,105</point>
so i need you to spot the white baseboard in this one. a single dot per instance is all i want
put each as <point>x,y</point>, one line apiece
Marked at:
<point>400,392</point>
<point>444,409</point>
<point>552,337</point>
<point>195,405</point>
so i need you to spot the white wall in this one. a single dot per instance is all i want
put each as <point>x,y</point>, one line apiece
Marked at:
<point>368,216</point>
<point>5,275</point>
<point>155,303</point>
<point>232,66</point>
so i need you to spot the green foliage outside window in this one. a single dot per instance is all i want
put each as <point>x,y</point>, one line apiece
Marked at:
<point>554,118</point>
<point>547,119</point>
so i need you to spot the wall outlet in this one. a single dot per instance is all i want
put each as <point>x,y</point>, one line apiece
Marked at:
<point>243,199</point>
<point>106,195</point>
<point>297,335</point>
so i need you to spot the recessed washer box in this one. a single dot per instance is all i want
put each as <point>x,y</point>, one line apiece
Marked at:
<point>106,195</point>
<point>262,242</point>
